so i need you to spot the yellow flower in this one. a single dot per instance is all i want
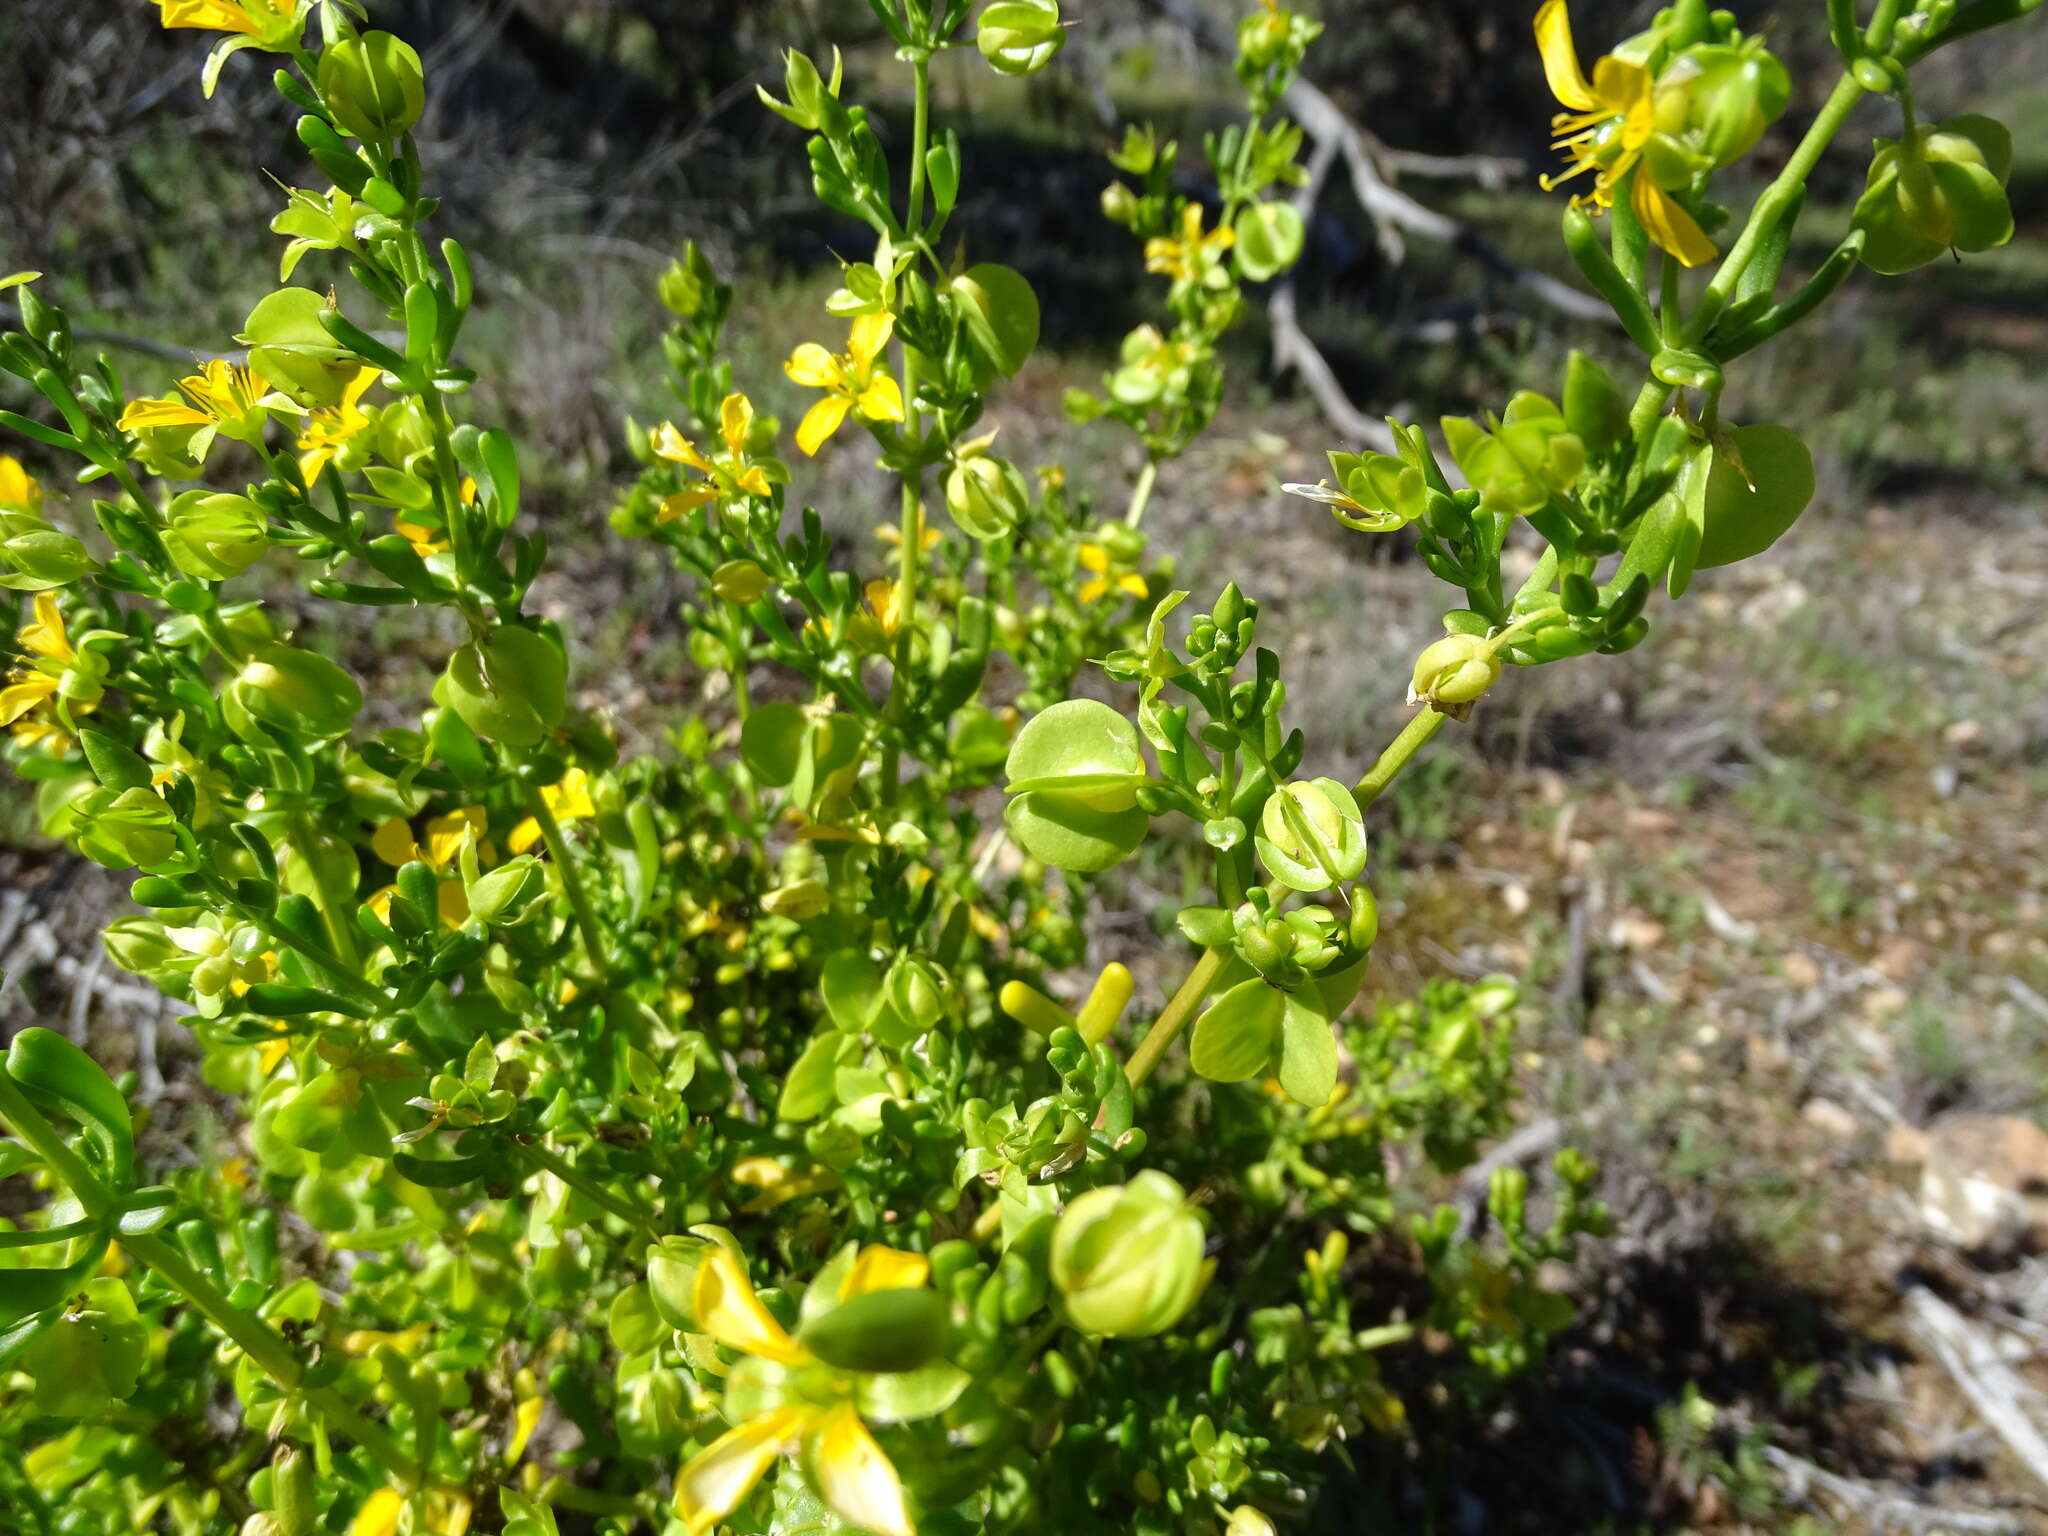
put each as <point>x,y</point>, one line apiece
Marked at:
<point>1606,128</point>
<point>393,843</point>
<point>34,685</point>
<point>851,381</point>
<point>845,1464</point>
<point>1096,558</point>
<point>237,401</point>
<point>726,478</point>
<point>19,491</point>
<point>269,19</point>
<point>1194,253</point>
<point>569,800</point>
<point>329,431</point>
<point>379,1514</point>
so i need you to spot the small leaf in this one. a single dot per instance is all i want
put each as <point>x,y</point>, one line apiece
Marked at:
<point>1236,1037</point>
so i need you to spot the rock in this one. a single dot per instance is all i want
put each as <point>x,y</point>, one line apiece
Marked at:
<point>1984,1182</point>
<point>1905,1145</point>
<point>1800,969</point>
<point>1830,1118</point>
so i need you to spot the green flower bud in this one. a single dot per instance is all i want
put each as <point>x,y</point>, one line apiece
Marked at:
<point>1454,674</point>
<point>686,286</point>
<point>39,558</point>
<point>507,893</point>
<point>1311,835</point>
<point>1120,204</point>
<point>1128,1260</point>
<point>986,496</point>
<point>1721,98</point>
<point>672,1279</point>
<point>739,581</point>
<point>1075,770</point>
<point>175,452</point>
<point>296,692</point>
<point>1940,189</point>
<point>894,1330</point>
<point>511,687</point>
<point>212,537</point>
<point>130,830</point>
<point>374,85</point>
<point>293,1496</point>
<point>1020,37</point>
<point>917,991</point>
<point>140,946</point>
<point>1529,456</point>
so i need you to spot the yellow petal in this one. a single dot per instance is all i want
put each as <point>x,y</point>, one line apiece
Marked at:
<point>1095,590</point>
<point>821,421</point>
<point>725,1471</point>
<point>379,1514</point>
<point>142,415</point>
<point>871,333</point>
<point>447,834</point>
<point>1668,224</point>
<point>1561,57</point>
<point>1094,557</point>
<point>1132,584</point>
<point>453,903</point>
<point>855,1478</point>
<point>352,397</point>
<point>393,843</point>
<point>683,503</point>
<point>881,400</point>
<point>18,699</point>
<point>880,1268</point>
<point>731,1313</point>
<point>46,636</point>
<point>810,364</point>
<point>735,421</point>
<point>755,482</point>
<point>525,1419</point>
<point>524,836</point>
<point>569,798</point>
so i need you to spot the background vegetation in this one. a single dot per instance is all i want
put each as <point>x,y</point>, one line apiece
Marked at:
<point>1781,882</point>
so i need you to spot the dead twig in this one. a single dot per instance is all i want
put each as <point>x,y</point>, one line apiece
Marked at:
<point>1974,1361</point>
<point>1884,1506</point>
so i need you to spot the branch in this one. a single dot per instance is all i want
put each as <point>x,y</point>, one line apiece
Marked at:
<point>1324,122</point>
<point>1991,1385</point>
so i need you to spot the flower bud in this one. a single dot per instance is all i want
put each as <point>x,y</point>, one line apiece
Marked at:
<point>1942,188</point>
<point>739,581</point>
<point>140,946</point>
<point>894,1330</point>
<point>373,85</point>
<point>1020,37</point>
<point>504,896</point>
<point>512,687</point>
<point>130,830</point>
<point>1083,765</point>
<point>1721,98</point>
<point>296,692</point>
<point>1127,1260</point>
<point>986,496</point>
<point>1454,674</point>
<point>917,991</point>
<point>1528,456</point>
<point>38,558</point>
<point>293,1496</point>
<point>1120,204</point>
<point>212,537</point>
<point>1311,835</point>
<point>686,286</point>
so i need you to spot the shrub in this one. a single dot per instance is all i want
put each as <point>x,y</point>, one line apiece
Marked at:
<point>716,1138</point>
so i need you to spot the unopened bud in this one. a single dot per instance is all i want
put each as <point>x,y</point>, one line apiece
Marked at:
<point>212,537</point>
<point>986,496</point>
<point>373,85</point>
<point>1020,37</point>
<point>1128,1260</point>
<point>297,692</point>
<point>1454,674</point>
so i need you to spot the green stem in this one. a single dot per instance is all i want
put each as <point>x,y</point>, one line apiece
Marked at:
<point>255,1338</point>
<point>1400,751</point>
<point>1173,1018</point>
<point>1777,199</point>
<point>572,882</point>
<point>592,1191</point>
<point>1141,493</point>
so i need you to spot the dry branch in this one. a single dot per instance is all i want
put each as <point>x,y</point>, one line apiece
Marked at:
<point>1973,1360</point>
